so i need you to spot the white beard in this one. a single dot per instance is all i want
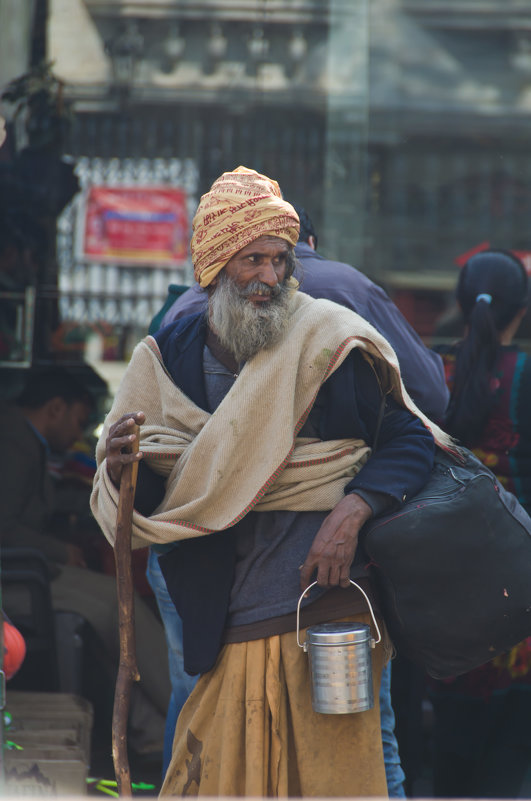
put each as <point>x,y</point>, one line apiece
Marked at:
<point>243,328</point>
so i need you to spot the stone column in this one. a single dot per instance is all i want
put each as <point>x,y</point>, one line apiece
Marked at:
<point>16,22</point>
<point>345,154</point>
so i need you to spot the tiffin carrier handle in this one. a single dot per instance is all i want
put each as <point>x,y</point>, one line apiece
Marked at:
<point>304,645</point>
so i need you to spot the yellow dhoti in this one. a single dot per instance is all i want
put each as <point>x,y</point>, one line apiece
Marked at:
<point>248,729</point>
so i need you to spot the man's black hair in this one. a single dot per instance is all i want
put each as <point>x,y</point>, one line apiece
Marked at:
<point>307,230</point>
<point>53,382</point>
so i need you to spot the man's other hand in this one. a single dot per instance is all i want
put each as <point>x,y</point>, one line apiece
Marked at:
<point>335,543</point>
<point>119,438</point>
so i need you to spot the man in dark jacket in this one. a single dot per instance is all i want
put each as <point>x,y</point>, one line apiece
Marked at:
<point>256,512</point>
<point>423,376</point>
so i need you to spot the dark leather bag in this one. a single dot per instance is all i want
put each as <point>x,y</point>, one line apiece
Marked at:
<point>452,568</point>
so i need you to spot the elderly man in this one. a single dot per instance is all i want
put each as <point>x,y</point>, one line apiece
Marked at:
<point>257,425</point>
<point>423,375</point>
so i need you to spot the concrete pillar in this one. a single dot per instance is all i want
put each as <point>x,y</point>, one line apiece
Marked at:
<point>16,22</point>
<point>346,131</point>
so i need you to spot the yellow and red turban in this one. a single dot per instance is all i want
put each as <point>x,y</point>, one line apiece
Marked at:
<point>240,207</point>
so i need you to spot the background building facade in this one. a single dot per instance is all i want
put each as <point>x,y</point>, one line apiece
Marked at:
<point>401,125</point>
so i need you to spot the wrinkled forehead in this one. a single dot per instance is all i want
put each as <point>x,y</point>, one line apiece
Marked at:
<point>265,243</point>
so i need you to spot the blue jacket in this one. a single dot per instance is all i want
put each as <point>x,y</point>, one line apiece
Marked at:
<point>199,571</point>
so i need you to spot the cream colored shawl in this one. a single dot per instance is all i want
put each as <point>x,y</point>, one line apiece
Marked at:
<point>246,455</point>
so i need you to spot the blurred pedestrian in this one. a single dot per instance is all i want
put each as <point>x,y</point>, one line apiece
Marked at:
<point>482,729</point>
<point>49,416</point>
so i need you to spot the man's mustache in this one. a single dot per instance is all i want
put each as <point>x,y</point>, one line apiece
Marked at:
<point>259,288</point>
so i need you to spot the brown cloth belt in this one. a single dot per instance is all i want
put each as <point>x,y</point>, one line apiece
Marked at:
<point>333,605</point>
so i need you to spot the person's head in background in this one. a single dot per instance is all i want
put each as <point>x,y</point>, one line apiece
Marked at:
<point>57,405</point>
<point>492,293</point>
<point>307,231</point>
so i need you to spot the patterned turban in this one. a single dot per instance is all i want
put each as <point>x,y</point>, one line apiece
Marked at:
<point>241,206</point>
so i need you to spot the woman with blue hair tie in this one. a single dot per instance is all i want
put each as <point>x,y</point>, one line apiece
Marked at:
<point>482,730</point>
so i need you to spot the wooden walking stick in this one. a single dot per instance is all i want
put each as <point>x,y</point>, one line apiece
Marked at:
<point>127,671</point>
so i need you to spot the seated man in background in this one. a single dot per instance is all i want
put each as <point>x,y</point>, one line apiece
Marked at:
<point>49,416</point>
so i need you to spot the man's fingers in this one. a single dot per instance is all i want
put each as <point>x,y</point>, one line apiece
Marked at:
<point>137,417</point>
<point>118,443</point>
<point>331,572</point>
<point>324,575</point>
<point>334,575</point>
<point>306,574</point>
<point>125,424</point>
<point>120,438</point>
<point>126,458</point>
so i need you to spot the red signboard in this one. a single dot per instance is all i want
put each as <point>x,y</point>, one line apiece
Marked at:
<point>134,225</point>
